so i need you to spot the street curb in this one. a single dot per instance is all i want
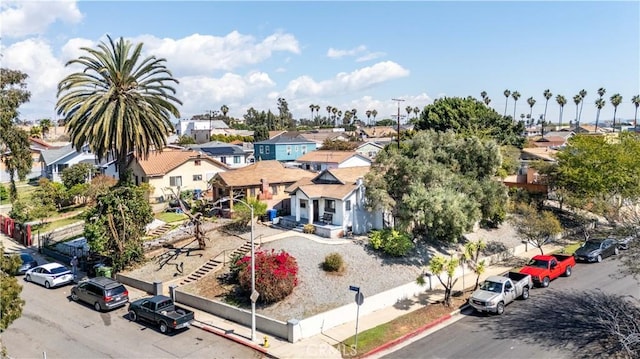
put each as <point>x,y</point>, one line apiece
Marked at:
<point>412,334</point>
<point>234,338</point>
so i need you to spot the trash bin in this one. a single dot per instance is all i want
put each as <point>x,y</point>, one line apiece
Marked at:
<point>272,214</point>
<point>103,271</point>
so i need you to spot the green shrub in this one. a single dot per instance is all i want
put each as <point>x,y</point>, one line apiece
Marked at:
<point>309,228</point>
<point>391,242</point>
<point>276,275</point>
<point>333,262</point>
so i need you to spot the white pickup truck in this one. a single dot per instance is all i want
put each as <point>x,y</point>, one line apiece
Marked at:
<point>498,291</point>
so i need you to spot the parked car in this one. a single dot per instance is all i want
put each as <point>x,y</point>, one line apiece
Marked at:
<point>545,268</point>
<point>101,292</point>
<point>594,250</point>
<point>498,291</point>
<point>28,262</point>
<point>160,310</point>
<point>49,275</point>
<point>625,243</point>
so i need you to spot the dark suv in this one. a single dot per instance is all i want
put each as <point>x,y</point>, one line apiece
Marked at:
<point>101,292</point>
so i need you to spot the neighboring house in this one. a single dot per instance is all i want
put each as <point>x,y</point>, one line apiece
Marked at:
<point>528,177</point>
<point>174,170</point>
<point>232,155</point>
<point>378,132</point>
<point>284,147</point>
<point>264,180</point>
<point>334,202</point>
<point>54,160</point>
<point>554,139</point>
<point>321,160</point>
<point>589,129</point>
<point>36,146</point>
<point>201,128</point>
<point>319,136</point>
<point>369,149</point>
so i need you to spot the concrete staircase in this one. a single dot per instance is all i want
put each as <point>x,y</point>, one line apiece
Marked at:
<point>159,231</point>
<point>214,264</point>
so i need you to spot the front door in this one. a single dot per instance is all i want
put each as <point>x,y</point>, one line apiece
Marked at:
<point>315,210</point>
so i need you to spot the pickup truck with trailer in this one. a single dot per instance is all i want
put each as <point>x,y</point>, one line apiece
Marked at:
<point>161,311</point>
<point>545,268</point>
<point>498,291</point>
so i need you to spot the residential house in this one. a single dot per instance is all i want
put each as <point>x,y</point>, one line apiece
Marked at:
<point>378,132</point>
<point>334,202</point>
<point>232,155</point>
<point>36,146</point>
<point>591,129</point>
<point>528,177</point>
<point>174,170</point>
<point>554,139</point>
<point>264,180</point>
<point>321,160</point>
<point>201,128</point>
<point>54,160</point>
<point>285,147</point>
<point>369,149</point>
<point>321,135</point>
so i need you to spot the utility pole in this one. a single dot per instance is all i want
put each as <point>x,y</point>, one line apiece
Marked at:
<point>398,100</point>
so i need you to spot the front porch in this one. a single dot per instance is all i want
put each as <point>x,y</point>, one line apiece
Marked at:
<point>327,230</point>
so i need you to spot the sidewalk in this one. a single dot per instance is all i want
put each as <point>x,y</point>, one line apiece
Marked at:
<point>318,346</point>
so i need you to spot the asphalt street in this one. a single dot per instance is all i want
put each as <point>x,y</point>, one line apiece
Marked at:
<point>53,326</point>
<point>518,333</point>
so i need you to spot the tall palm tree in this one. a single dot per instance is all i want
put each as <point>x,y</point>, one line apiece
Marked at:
<point>601,91</point>
<point>328,108</point>
<point>317,108</point>
<point>45,126</point>
<point>506,93</point>
<point>374,113</point>
<point>583,95</point>
<point>522,115</point>
<point>409,110</point>
<point>368,113</point>
<point>487,100</point>
<point>119,103</point>
<point>312,107</point>
<point>483,95</point>
<point>516,96</point>
<point>531,101</point>
<point>636,101</point>
<point>334,111</point>
<point>577,99</point>
<point>599,104</point>
<point>416,110</point>
<point>616,100</point>
<point>547,95</point>
<point>561,100</point>
<point>224,109</point>
<point>35,131</point>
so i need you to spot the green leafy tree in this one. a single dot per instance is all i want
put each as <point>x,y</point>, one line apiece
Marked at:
<point>35,131</point>
<point>471,256</point>
<point>50,193</point>
<point>4,194</point>
<point>391,242</point>
<point>536,227</point>
<point>45,126</point>
<point>99,185</point>
<point>186,140</point>
<point>338,145</point>
<point>470,117</point>
<point>116,225</point>
<point>10,302</point>
<point>129,98</point>
<point>261,133</point>
<point>444,269</point>
<point>438,185</point>
<point>243,213</point>
<point>14,141</point>
<point>77,174</point>
<point>20,211</point>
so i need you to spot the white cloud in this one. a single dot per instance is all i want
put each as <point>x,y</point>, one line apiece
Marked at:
<point>370,56</point>
<point>198,54</point>
<point>23,18</point>
<point>336,54</point>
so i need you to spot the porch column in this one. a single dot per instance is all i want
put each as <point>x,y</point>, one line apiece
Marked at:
<point>297,209</point>
<point>310,210</point>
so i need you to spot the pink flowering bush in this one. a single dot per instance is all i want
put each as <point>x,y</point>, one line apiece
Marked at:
<point>276,275</point>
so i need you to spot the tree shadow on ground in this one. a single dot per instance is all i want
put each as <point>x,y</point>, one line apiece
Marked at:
<point>592,323</point>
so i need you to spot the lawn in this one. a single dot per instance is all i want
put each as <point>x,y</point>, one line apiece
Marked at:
<point>50,226</point>
<point>170,217</point>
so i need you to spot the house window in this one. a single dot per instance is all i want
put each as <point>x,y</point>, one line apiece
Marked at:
<point>197,177</point>
<point>318,167</point>
<point>303,204</point>
<point>274,190</point>
<point>175,181</point>
<point>261,148</point>
<point>330,205</point>
<point>252,192</point>
<point>347,205</point>
<point>304,149</point>
<point>266,150</point>
<point>223,159</point>
<point>198,162</point>
<point>288,150</point>
<point>236,159</point>
<point>296,149</point>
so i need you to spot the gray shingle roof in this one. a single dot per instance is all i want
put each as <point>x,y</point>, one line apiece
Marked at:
<point>52,155</point>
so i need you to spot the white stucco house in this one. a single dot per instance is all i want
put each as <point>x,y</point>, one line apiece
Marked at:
<point>320,160</point>
<point>334,202</point>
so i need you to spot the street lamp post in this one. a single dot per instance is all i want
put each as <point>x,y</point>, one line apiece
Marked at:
<point>254,294</point>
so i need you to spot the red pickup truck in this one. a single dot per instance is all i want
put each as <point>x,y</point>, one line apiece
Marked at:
<point>545,268</point>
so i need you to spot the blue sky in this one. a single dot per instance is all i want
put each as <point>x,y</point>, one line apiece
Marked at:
<point>344,54</point>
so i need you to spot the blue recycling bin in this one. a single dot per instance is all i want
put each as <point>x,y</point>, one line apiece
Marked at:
<point>272,214</point>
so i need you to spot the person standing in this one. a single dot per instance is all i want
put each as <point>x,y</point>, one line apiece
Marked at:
<point>74,266</point>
